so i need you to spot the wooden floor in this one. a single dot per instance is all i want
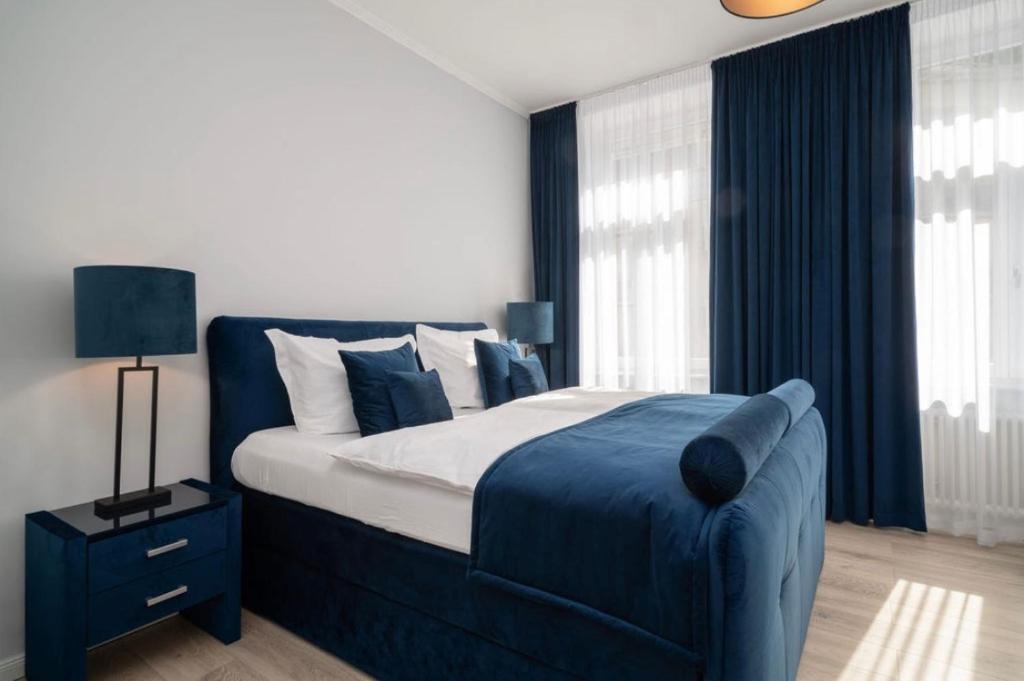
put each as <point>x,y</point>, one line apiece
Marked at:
<point>891,605</point>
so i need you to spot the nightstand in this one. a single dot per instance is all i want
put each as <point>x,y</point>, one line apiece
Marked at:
<point>89,580</point>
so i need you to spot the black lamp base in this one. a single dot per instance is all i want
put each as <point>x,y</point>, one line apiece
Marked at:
<point>132,502</point>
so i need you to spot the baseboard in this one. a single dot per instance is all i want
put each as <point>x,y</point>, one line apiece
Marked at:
<point>13,668</point>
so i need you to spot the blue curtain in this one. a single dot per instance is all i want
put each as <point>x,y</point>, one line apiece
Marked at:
<point>554,192</point>
<point>812,248</point>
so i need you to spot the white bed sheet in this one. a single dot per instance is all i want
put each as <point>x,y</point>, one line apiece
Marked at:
<point>297,466</point>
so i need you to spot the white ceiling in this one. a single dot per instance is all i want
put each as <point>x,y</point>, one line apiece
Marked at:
<point>532,54</point>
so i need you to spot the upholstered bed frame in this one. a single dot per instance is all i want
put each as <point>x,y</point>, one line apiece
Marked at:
<point>403,609</point>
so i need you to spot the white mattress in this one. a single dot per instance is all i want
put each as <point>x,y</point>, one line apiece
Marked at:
<point>297,466</point>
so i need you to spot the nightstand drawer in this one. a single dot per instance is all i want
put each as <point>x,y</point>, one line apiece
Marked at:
<point>127,557</point>
<point>116,611</point>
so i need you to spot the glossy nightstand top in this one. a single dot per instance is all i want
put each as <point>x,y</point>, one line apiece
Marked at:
<point>184,499</point>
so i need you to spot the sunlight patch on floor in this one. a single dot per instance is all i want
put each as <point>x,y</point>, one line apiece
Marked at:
<point>922,633</point>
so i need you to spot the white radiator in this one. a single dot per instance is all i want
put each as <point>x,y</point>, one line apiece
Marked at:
<point>974,480</point>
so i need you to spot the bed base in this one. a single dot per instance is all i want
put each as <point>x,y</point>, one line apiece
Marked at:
<point>402,610</point>
<point>387,640</point>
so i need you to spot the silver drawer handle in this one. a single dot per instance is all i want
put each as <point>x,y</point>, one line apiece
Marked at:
<point>167,548</point>
<point>173,593</point>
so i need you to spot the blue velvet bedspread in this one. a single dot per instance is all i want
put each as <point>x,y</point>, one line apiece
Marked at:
<point>596,520</point>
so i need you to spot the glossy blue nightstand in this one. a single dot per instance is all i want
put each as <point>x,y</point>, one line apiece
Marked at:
<point>89,579</point>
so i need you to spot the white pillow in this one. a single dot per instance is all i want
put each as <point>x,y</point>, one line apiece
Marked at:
<point>452,354</point>
<point>316,380</point>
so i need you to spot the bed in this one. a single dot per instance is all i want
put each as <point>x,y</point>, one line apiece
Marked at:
<point>576,554</point>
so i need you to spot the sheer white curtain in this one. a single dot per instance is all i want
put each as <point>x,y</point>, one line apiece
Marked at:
<point>644,166</point>
<point>968,66</point>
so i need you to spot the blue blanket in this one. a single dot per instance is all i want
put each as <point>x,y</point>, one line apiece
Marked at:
<point>596,518</point>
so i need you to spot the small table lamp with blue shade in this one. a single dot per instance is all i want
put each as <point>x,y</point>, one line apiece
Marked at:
<point>531,323</point>
<point>123,311</point>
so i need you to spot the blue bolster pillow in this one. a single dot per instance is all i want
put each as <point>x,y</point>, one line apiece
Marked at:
<point>718,463</point>
<point>798,396</point>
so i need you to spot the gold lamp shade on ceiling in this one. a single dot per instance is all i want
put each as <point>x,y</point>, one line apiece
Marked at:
<point>765,9</point>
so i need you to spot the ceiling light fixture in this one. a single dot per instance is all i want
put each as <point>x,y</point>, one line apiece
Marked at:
<point>765,9</point>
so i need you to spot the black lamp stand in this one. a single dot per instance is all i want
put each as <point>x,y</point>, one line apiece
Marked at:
<point>143,499</point>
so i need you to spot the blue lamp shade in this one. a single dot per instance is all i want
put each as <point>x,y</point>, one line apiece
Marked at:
<point>532,323</point>
<point>134,311</point>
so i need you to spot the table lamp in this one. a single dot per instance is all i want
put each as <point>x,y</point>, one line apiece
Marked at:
<point>124,311</point>
<point>531,323</point>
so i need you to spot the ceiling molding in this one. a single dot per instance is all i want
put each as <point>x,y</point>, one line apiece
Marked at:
<point>375,22</point>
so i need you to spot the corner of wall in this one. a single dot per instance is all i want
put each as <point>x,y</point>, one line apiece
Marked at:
<point>373,21</point>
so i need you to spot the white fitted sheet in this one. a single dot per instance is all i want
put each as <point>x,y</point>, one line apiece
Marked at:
<point>297,466</point>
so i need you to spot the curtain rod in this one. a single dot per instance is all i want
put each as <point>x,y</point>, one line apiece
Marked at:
<point>677,69</point>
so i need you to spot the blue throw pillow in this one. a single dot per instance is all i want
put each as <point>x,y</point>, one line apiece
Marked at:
<point>492,365</point>
<point>418,397</point>
<point>367,380</point>
<point>527,376</point>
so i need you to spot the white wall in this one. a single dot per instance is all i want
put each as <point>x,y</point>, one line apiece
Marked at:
<point>298,162</point>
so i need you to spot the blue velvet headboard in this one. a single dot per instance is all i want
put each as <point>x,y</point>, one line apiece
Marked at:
<point>246,392</point>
